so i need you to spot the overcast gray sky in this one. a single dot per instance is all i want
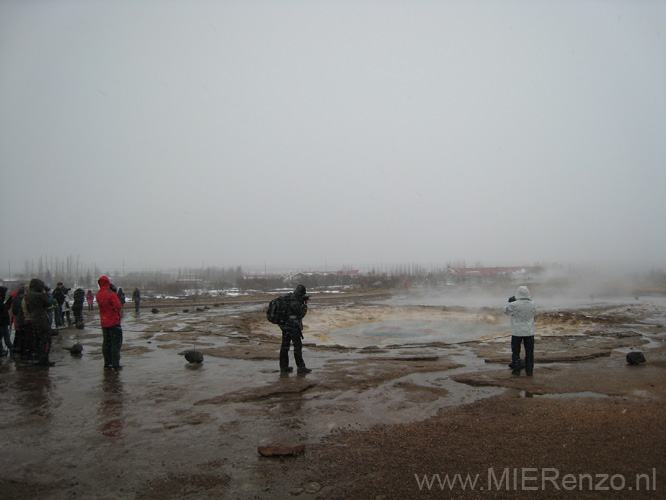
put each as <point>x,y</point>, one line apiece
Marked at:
<point>310,133</point>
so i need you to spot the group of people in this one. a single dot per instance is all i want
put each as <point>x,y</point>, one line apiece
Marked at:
<point>32,308</point>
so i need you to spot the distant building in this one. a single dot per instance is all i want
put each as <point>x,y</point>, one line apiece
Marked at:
<point>492,273</point>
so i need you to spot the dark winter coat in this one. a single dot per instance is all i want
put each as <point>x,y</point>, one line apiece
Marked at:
<point>59,295</point>
<point>79,297</point>
<point>4,308</point>
<point>108,303</point>
<point>17,307</point>
<point>297,309</point>
<point>37,304</point>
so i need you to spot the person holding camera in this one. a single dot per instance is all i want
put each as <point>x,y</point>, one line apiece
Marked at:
<point>521,308</point>
<point>292,330</point>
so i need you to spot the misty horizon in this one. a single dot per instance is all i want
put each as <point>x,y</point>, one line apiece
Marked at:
<point>306,134</point>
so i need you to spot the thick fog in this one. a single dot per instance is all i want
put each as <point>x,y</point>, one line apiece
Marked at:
<point>328,133</point>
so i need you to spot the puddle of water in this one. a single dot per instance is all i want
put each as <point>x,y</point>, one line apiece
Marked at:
<point>386,333</point>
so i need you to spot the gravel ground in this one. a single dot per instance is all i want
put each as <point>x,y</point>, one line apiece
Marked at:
<point>535,440</point>
<point>581,445</point>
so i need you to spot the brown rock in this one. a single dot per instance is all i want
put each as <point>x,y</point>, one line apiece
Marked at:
<point>278,449</point>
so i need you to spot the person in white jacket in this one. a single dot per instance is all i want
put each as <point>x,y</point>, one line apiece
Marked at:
<point>521,308</point>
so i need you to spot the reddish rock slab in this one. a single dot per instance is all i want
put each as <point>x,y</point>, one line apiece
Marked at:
<point>278,449</point>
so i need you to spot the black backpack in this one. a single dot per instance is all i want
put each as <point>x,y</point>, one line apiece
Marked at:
<point>277,311</point>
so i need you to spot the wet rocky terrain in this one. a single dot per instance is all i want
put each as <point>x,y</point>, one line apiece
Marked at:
<point>402,386</point>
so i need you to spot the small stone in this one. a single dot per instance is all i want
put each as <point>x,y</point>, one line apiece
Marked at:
<point>296,491</point>
<point>312,487</point>
<point>75,350</point>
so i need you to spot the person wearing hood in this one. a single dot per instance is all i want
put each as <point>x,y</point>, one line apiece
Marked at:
<point>77,307</point>
<point>292,330</point>
<point>110,310</point>
<point>522,308</point>
<point>4,321</point>
<point>60,295</point>
<point>37,305</point>
<point>90,299</point>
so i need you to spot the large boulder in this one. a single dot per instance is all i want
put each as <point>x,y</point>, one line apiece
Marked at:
<point>193,356</point>
<point>635,358</point>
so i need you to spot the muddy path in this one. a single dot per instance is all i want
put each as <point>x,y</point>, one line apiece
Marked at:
<point>164,428</point>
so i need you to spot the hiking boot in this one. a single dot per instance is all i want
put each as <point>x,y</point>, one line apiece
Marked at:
<point>287,369</point>
<point>304,370</point>
<point>515,372</point>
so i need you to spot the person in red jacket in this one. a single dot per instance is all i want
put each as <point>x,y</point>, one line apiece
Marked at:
<point>109,314</point>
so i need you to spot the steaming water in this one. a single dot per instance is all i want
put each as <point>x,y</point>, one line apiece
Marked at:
<point>385,333</point>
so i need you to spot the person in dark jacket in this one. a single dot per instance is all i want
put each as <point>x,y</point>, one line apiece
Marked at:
<point>121,296</point>
<point>292,330</point>
<point>77,307</point>
<point>4,322</point>
<point>20,324</point>
<point>110,310</point>
<point>37,304</point>
<point>60,295</point>
<point>136,298</point>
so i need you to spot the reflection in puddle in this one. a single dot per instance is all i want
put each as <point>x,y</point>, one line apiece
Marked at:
<point>111,405</point>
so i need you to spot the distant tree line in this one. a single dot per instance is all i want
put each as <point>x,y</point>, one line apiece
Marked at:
<point>178,281</point>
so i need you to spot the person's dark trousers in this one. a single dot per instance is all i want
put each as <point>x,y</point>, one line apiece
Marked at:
<point>289,336</point>
<point>58,316</point>
<point>112,341</point>
<point>18,340</point>
<point>136,305</point>
<point>78,314</point>
<point>4,335</point>
<point>42,339</point>
<point>35,343</point>
<point>529,354</point>
<point>23,339</point>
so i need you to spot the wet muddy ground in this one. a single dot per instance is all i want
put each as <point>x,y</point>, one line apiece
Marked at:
<point>164,428</point>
